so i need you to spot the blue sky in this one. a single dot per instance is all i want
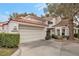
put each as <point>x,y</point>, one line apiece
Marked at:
<point>8,8</point>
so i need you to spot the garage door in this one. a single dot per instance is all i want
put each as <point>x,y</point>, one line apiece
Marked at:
<point>28,33</point>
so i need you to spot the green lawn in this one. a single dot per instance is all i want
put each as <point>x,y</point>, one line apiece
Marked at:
<point>7,51</point>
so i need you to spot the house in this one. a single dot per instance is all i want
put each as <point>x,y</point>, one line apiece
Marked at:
<point>52,21</point>
<point>62,28</point>
<point>1,26</point>
<point>59,26</point>
<point>30,28</point>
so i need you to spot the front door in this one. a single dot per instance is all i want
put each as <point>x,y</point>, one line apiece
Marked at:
<point>63,32</point>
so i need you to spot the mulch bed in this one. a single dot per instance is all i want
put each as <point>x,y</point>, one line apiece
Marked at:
<point>7,51</point>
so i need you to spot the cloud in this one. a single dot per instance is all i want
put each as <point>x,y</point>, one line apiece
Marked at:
<point>40,6</point>
<point>3,18</point>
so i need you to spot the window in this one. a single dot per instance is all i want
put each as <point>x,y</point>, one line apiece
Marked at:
<point>63,32</point>
<point>49,22</point>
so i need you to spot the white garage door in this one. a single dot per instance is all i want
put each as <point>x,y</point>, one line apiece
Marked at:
<point>28,33</point>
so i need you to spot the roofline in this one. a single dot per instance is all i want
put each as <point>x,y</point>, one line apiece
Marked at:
<point>29,22</point>
<point>0,25</point>
<point>25,22</point>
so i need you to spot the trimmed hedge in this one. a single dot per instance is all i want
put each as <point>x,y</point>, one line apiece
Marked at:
<point>76,35</point>
<point>48,35</point>
<point>9,40</point>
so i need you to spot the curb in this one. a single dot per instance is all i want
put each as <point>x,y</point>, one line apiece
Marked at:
<point>17,53</point>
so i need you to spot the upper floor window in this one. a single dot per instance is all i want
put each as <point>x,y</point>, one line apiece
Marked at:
<point>49,22</point>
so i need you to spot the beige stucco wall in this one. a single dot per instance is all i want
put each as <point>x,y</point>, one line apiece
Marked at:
<point>11,26</point>
<point>76,30</point>
<point>60,28</point>
<point>56,33</point>
<point>1,29</point>
<point>54,21</point>
<point>5,28</point>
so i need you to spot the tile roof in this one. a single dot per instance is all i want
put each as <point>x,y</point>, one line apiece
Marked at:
<point>48,18</point>
<point>28,19</point>
<point>63,22</point>
<point>1,24</point>
<point>31,20</point>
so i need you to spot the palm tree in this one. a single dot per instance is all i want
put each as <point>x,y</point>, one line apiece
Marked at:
<point>13,15</point>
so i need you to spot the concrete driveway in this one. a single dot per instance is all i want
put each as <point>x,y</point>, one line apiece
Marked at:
<point>49,48</point>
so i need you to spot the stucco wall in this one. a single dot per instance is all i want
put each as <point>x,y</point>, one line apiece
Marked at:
<point>11,26</point>
<point>54,21</point>
<point>60,28</point>
<point>56,33</point>
<point>66,31</point>
<point>76,30</point>
<point>0,29</point>
<point>58,19</point>
<point>5,28</point>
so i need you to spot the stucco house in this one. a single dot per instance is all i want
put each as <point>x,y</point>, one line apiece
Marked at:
<point>30,28</point>
<point>1,27</point>
<point>59,26</point>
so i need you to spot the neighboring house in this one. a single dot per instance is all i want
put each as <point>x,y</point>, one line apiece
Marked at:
<point>30,28</point>
<point>59,26</point>
<point>62,28</point>
<point>1,27</point>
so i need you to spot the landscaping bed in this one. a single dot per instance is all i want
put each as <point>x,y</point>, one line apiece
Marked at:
<point>7,51</point>
<point>8,43</point>
<point>60,40</point>
<point>76,40</point>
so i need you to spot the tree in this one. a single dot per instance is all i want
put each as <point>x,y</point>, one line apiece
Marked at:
<point>32,14</point>
<point>68,10</point>
<point>17,15</point>
<point>13,15</point>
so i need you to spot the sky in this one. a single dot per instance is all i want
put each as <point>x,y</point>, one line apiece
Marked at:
<point>8,8</point>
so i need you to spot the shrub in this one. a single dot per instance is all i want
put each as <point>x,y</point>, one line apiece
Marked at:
<point>9,40</point>
<point>67,37</point>
<point>54,36</point>
<point>47,37</point>
<point>0,39</point>
<point>76,35</point>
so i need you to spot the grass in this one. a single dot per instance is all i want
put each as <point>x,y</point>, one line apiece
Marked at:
<point>7,51</point>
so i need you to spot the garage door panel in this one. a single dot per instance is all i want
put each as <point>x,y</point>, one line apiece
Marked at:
<point>28,34</point>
